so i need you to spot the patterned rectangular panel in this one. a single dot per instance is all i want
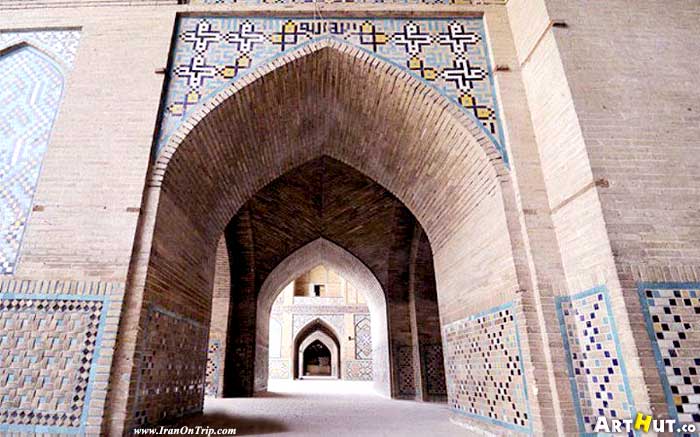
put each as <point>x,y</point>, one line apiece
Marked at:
<point>358,370</point>
<point>213,368</point>
<point>49,348</point>
<point>33,68</point>
<point>172,368</point>
<point>403,357</point>
<point>595,363</point>
<point>485,368</point>
<point>449,55</point>
<point>672,315</point>
<point>363,337</point>
<point>434,366</point>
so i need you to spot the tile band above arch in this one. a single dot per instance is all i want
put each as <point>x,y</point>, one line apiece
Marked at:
<point>449,54</point>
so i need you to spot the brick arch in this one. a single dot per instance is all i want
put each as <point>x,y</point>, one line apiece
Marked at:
<point>322,251</point>
<point>325,99</point>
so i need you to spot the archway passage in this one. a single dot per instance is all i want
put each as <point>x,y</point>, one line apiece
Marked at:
<point>369,235</point>
<point>316,359</point>
<point>436,184</point>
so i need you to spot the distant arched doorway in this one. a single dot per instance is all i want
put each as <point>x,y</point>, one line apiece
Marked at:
<point>306,354</point>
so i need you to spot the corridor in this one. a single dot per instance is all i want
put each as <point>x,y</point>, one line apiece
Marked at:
<point>325,408</point>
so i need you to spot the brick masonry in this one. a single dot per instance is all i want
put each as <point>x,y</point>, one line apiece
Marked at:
<point>599,192</point>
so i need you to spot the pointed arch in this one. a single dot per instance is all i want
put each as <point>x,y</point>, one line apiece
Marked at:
<point>31,89</point>
<point>388,125</point>
<point>316,330</point>
<point>322,251</point>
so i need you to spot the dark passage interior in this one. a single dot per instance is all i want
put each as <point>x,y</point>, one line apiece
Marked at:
<point>317,360</point>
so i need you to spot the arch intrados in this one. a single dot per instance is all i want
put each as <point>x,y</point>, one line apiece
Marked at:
<point>185,145</point>
<point>329,254</point>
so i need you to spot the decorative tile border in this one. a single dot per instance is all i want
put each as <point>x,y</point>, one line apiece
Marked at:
<point>213,368</point>
<point>484,360</point>
<point>594,359</point>
<point>357,370</point>
<point>672,316</point>
<point>451,55</point>
<point>363,336</point>
<point>45,348</point>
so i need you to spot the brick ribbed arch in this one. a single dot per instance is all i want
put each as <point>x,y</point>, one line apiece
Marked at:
<point>322,251</point>
<point>329,99</point>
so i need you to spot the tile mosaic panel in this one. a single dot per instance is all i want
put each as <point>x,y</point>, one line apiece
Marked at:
<point>49,347</point>
<point>363,337</point>
<point>450,55</point>
<point>358,370</point>
<point>595,363</point>
<point>434,366</point>
<point>279,369</point>
<point>31,88</point>
<point>404,366</point>
<point>213,368</point>
<point>171,377</point>
<point>672,315</point>
<point>337,321</point>
<point>485,368</point>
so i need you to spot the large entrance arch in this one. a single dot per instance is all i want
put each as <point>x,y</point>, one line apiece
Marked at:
<point>427,153</point>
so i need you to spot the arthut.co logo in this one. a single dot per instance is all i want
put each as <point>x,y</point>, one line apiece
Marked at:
<point>642,423</point>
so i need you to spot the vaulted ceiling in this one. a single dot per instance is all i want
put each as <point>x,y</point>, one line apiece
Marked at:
<point>325,198</point>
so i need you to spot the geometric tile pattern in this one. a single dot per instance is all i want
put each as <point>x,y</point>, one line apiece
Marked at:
<point>434,366</point>
<point>337,321</point>
<point>363,337</point>
<point>49,345</point>
<point>172,369</point>
<point>672,315</point>
<point>595,363</point>
<point>31,86</point>
<point>213,368</point>
<point>358,370</point>
<point>404,364</point>
<point>449,54</point>
<point>484,367</point>
<point>279,369</point>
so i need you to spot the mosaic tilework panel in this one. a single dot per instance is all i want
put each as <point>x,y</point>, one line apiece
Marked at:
<point>49,345</point>
<point>485,368</point>
<point>213,368</point>
<point>173,364</point>
<point>279,369</point>
<point>358,370</point>
<point>363,337</point>
<point>404,364</point>
<point>672,315</point>
<point>335,320</point>
<point>434,366</point>
<point>31,87</point>
<point>595,363</point>
<point>451,55</point>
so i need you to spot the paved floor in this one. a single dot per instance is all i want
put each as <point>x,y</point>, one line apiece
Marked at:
<point>326,408</point>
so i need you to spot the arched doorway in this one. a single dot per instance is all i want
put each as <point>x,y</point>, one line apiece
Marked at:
<point>317,351</point>
<point>316,359</point>
<point>436,163</point>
